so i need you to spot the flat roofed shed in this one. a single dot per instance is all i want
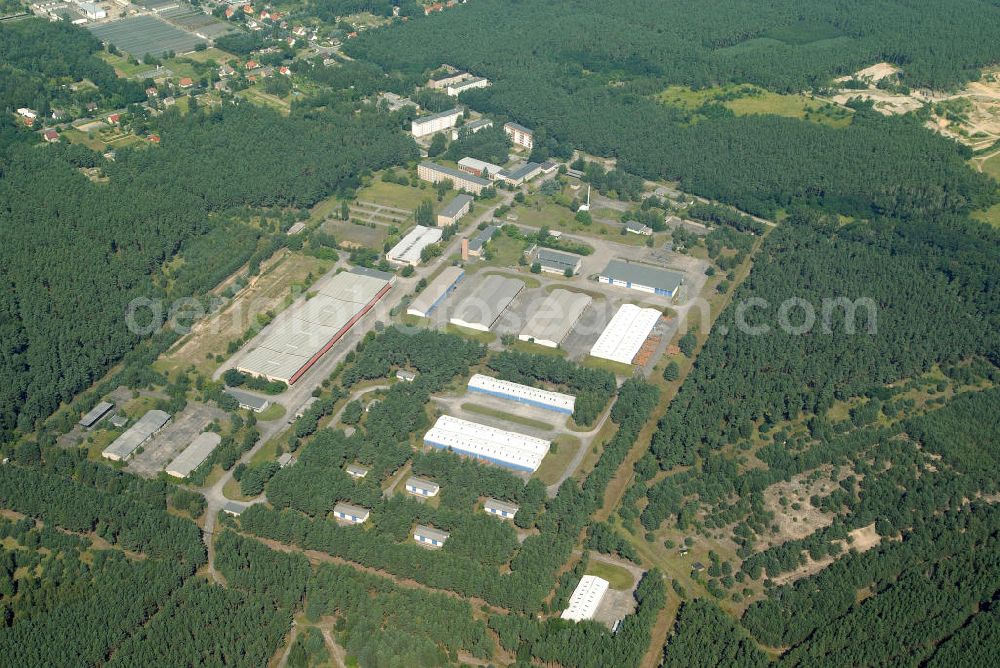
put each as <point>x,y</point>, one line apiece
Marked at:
<point>193,455</point>
<point>123,446</point>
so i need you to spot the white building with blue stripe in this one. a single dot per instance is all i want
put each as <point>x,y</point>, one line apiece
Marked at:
<point>500,508</point>
<point>429,536</point>
<point>346,512</point>
<point>496,446</point>
<point>525,394</point>
<point>421,487</point>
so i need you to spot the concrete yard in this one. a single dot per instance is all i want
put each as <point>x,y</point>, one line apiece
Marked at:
<point>172,440</point>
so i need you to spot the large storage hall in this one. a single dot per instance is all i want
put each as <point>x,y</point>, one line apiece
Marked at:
<point>506,448</point>
<point>482,308</point>
<point>301,335</point>
<point>555,317</point>
<point>625,334</point>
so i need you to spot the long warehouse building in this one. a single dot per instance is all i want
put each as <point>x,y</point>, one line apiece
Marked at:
<point>585,599</point>
<point>625,334</point>
<point>642,277</point>
<point>481,309</point>
<point>301,335</point>
<point>555,317</point>
<point>525,394</point>
<point>436,292</point>
<point>409,248</point>
<point>506,448</point>
<point>193,455</point>
<point>130,440</point>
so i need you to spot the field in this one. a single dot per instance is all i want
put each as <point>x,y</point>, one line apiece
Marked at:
<point>617,577</point>
<point>145,34</point>
<point>393,194</point>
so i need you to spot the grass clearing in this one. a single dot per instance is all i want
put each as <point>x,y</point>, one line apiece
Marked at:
<point>505,251</point>
<point>991,166</point>
<point>535,349</point>
<point>555,463</point>
<point>617,577</point>
<point>473,334</point>
<point>746,99</point>
<point>617,368</point>
<point>257,95</point>
<point>271,413</point>
<point>509,417</point>
<point>989,216</point>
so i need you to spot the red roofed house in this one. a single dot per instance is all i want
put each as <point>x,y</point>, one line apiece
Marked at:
<point>186,82</point>
<point>248,9</point>
<point>114,118</point>
<point>252,65</point>
<point>154,138</point>
<point>50,136</point>
<point>285,70</point>
<point>230,10</point>
<point>152,92</point>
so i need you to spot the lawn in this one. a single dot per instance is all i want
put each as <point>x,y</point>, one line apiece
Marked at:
<point>271,413</point>
<point>474,334</point>
<point>555,463</point>
<point>401,197</point>
<point>505,251</point>
<point>617,577</point>
<point>74,136</point>
<point>509,417</point>
<point>122,66</point>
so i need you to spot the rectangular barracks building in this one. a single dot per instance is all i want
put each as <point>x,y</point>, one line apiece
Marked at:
<point>497,446</point>
<point>302,334</point>
<point>525,394</point>
<point>429,171</point>
<point>428,125</point>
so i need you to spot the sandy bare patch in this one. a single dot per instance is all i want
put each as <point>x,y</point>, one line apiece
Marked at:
<point>797,523</point>
<point>877,72</point>
<point>864,539</point>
